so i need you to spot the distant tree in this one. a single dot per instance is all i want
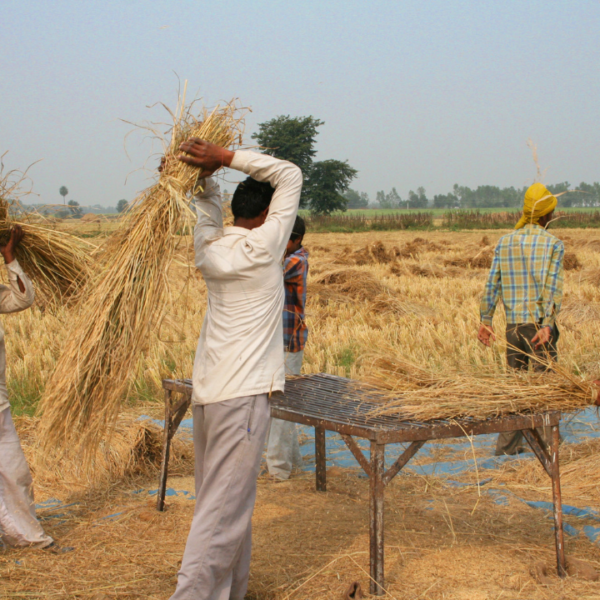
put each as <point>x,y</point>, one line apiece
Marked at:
<point>356,199</point>
<point>293,139</point>
<point>122,205</point>
<point>75,209</point>
<point>380,199</point>
<point>63,191</point>
<point>393,199</point>
<point>329,179</point>
<point>418,199</point>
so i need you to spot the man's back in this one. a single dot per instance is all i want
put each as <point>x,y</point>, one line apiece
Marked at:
<point>527,273</point>
<point>240,348</point>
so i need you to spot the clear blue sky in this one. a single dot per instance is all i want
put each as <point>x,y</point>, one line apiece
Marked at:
<point>412,93</point>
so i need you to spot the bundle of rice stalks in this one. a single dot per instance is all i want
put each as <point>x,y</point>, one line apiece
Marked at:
<point>123,303</point>
<point>432,270</point>
<point>482,259</point>
<point>134,448</point>
<point>415,393</point>
<point>571,262</point>
<point>350,285</point>
<point>58,263</point>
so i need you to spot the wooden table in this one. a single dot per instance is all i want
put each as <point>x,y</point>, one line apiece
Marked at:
<point>330,403</point>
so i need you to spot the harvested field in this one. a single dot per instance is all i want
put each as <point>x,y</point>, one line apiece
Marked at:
<point>443,542</point>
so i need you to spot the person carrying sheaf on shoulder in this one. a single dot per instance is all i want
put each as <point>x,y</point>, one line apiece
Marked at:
<point>283,450</point>
<point>19,526</point>
<point>527,273</point>
<point>239,360</point>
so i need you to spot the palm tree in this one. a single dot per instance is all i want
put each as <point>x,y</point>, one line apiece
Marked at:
<point>63,192</point>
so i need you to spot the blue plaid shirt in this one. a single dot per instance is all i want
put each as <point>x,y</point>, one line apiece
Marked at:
<point>527,273</point>
<point>295,272</point>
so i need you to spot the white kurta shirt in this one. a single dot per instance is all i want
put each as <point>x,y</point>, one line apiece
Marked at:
<point>12,300</point>
<point>240,351</point>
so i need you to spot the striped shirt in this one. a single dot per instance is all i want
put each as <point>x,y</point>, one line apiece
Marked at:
<point>295,271</point>
<point>527,273</point>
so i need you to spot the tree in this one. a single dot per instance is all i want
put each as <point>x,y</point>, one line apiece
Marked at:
<point>356,199</point>
<point>122,205</point>
<point>75,209</point>
<point>328,180</point>
<point>293,139</point>
<point>417,200</point>
<point>63,192</point>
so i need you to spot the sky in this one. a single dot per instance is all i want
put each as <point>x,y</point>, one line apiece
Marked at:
<point>414,93</point>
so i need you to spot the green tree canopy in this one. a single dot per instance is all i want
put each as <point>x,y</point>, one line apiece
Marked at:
<point>122,205</point>
<point>356,199</point>
<point>293,139</point>
<point>329,179</point>
<point>290,138</point>
<point>75,209</point>
<point>63,191</point>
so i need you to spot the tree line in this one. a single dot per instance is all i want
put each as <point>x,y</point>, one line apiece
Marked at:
<point>484,196</point>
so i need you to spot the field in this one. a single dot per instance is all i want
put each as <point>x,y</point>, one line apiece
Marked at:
<point>412,294</point>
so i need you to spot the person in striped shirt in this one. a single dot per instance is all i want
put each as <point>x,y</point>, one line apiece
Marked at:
<point>527,274</point>
<point>283,451</point>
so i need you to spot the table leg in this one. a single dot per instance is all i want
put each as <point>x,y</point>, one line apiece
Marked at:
<point>557,500</point>
<point>164,468</point>
<point>321,459</point>
<point>376,518</point>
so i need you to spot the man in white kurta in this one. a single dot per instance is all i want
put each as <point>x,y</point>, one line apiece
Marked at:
<point>239,360</point>
<point>18,523</point>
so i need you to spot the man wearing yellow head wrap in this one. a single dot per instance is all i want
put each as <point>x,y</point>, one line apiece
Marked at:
<point>527,273</point>
<point>539,202</point>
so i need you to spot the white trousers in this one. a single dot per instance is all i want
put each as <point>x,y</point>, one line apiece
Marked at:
<point>283,450</point>
<point>229,438</point>
<point>18,524</point>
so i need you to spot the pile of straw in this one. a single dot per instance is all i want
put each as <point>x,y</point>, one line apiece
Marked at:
<point>414,393</point>
<point>133,449</point>
<point>122,304</point>
<point>58,263</point>
<point>351,285</point>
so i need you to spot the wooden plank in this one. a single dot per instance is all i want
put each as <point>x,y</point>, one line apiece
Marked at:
<point>539,448</point>
<point>164,467</point>
<point>320,459</point>
<point>402,460</point>
<point>559,535</point>
<point>358,453</point>
<point>376,504</point>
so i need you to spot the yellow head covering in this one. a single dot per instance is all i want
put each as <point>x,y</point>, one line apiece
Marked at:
<point>538,202</point>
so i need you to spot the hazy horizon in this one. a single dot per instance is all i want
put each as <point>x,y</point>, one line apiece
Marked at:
<point>412,94</point>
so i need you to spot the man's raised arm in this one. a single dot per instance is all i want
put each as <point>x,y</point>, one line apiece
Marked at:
<point>284,176</point>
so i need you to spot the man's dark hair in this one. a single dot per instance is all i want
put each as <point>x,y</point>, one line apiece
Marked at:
<point>250,198</point>
<point>299,229</point>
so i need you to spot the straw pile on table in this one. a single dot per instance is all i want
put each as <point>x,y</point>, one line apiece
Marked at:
<point>414,393</point>
<point>58,263</point>
<point>92,375</point>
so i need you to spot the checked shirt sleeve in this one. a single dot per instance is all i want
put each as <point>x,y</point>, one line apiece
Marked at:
<point>491,294</point>
<point>553,290</point>
<point>293,269</point>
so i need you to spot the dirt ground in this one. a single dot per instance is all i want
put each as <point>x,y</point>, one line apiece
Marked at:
<point>441,542</point>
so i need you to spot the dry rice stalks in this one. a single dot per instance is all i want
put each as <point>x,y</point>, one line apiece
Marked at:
<point>350,285</point>
<point>419,394</point>
<point>132,448</point>
<point>92,375</point>
<point>58,263</point>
